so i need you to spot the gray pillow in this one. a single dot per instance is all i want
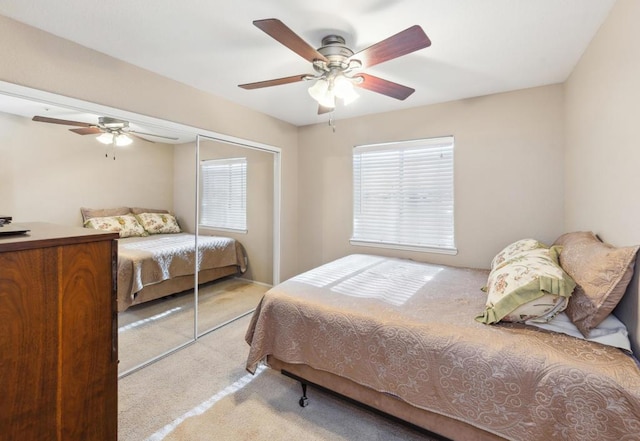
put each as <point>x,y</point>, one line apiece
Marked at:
<point>88,213</point>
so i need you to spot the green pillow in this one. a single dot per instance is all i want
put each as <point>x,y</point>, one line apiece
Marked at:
<point>529,286</point>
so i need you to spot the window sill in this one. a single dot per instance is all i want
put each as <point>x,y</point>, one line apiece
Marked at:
<point>391,246</point>
<point>229,230</point>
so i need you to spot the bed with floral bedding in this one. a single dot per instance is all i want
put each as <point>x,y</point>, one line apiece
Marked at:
<point>526,350</point>
<point>156,258</point>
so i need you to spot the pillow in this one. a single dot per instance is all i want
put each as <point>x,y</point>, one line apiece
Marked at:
<point>611,331</point>
<point>529,286</point>
<point>138,210</point>
<point>602,273</point>
<point>514,249</point>
<point>88,213</point>
<point>126,225</point>
<point>158,223</point>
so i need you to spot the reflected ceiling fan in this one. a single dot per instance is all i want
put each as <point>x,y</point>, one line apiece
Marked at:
<point>111,130</point>
<point>338,67</point>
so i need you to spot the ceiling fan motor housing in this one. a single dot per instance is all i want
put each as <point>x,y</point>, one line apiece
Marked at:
<point>112,123</point>
<point>334,49</point>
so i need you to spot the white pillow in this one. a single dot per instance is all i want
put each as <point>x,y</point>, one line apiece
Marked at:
<point>611,331</point>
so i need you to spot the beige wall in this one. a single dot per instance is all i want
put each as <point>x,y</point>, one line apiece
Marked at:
<point>508,173</point>
<point>47,173</point>
<point>184,184</point>
<point>602,147</point>
<point>602,127</point>
<point>39,60</point>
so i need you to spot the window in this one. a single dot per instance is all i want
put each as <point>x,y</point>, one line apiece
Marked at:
<point>223,195</point>
<point>403,195</point>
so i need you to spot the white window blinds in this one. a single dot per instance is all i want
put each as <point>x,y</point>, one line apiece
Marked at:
<point>403,195</point>
<point>223,194</point>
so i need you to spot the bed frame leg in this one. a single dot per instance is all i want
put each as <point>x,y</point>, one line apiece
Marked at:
<point>304,401</point>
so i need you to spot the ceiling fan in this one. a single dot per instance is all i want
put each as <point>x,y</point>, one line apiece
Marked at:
<point>338,67</point>
<point>111,130</point>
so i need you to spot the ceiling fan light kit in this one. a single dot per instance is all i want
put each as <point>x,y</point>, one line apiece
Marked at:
<point>344,90</point>
<point>119,139</point>
<point>113,131</point>
<point>327,89</point>
<point>123,140</point>
<point>105,138</point>
<point>333,81</point>
<point>337,66</point>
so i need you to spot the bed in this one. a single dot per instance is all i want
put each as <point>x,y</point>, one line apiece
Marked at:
<point>156,258</point>
<point>407,338</point>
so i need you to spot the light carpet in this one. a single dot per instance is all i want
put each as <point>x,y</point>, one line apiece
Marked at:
<point>203,392</point>
<point>153,328</point>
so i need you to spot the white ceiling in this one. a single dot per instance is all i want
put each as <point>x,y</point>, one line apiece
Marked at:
<point>478,47</point>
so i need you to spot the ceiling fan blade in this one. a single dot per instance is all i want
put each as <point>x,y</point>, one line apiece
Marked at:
<point>402,43</point>
<point>61,121</point>
<point>323,110</point>
<point>280,32</point>
<point>135,133</point>
<point>140,137</point>
<point>385,87</point>
<point>276,82</point>
<point>87,131</point>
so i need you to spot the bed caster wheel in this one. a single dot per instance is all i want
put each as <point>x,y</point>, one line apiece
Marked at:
<point>304,401</point>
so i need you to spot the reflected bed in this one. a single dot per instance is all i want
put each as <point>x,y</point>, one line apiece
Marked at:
<point>156,258</point>
<point>155,266</point>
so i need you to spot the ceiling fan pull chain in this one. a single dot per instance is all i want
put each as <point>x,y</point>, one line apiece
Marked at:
<point>112,147</point>
<point>332,123</point>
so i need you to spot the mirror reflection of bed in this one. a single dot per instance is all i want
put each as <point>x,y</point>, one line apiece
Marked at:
<point>55,172</point>
<point>168,321</point>
<point>156,295</point>
<point>155,280</point>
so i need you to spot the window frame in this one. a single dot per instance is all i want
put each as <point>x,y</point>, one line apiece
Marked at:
<point>242,194</point>
<point>360,236</point>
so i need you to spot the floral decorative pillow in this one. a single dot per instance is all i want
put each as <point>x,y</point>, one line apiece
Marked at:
<point>159,223</point>
<point>515,249</point>
<point>126,225</point>
<point>530,286</point>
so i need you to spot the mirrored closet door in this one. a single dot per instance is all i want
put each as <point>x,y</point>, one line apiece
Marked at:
<point>163,316</point>
<point>235,206</point>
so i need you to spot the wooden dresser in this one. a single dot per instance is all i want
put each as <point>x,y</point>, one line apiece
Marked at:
<point>58,335</point>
